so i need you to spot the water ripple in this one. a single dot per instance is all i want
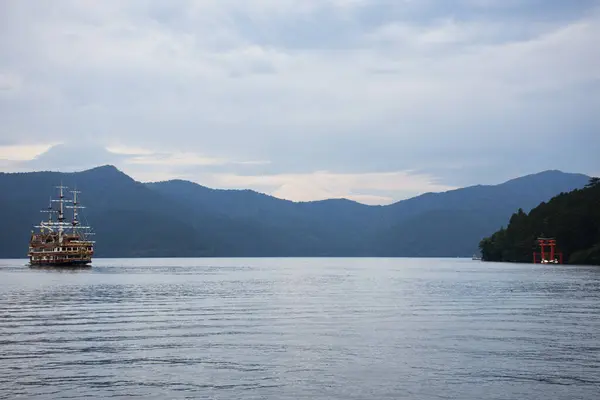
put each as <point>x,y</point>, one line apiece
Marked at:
<point>299,328</point>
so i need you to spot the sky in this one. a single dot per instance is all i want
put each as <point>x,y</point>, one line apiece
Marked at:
<point>372,100</point>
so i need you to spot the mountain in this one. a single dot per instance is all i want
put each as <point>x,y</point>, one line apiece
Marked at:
<point>448,224</point>
<point>181,218</point>
<point>572,218</point>
<point>319,228</point>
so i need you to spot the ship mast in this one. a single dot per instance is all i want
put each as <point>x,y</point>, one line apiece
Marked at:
<point>50,211</point>
<point>75,224</point>
<point>75,206</point>
<point>61,225</point>
<point>61,212</point>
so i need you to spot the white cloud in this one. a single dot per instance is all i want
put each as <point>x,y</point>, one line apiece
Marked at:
<point>348,86</point>
<point>129,151</point>
<point>9,82</point>
<point>22,152</point>
<point>324,185</point>
<point>175,160</point>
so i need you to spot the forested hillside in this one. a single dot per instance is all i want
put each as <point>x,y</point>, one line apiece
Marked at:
<point>572,218</point>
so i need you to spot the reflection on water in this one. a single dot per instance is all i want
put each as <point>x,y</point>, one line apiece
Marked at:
<point>299,328</point>
<point>71,268</point>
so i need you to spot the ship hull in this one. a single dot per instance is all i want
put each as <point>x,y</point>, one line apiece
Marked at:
<point>66,263</point>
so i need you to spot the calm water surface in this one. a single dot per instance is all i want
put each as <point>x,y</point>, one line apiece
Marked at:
<point>300,329</point>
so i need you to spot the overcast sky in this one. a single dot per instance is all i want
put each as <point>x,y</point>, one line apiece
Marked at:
<point>374,100</point>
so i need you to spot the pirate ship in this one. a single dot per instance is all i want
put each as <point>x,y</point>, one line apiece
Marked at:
<point>60,242</point>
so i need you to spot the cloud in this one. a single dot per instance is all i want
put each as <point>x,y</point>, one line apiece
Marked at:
<point>463,91</point>
<point>63,157</point>
<point>22,152</point>
<point>9,82</point>
<point>322,185</point>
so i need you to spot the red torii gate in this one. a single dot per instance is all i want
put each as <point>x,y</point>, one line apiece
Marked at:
<point>550,242</point>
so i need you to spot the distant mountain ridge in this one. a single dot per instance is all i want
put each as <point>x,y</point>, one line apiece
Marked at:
<point>181,218</point>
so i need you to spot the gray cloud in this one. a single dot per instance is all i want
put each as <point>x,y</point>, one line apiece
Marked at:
<point>461,91</point>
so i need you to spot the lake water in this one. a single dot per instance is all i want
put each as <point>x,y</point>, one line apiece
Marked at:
<point>300,329</point>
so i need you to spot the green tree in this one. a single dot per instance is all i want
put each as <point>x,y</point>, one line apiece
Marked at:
<point>593,182</point>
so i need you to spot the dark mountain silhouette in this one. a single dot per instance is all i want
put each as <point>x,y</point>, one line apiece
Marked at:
<point>180,218</point>
<point>446,224</point>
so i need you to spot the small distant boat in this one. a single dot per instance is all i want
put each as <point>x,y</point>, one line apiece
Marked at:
<point>61,243</point>
<point>476,257</point>
<point>549,261</point>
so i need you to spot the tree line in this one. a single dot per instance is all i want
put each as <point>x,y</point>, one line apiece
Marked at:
<point>572,218</point>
